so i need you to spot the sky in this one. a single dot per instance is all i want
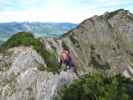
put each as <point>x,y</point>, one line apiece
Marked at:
<point>74,11</point>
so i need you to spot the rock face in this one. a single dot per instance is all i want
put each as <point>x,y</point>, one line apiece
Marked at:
<point>20,78</point>
<point>104,42</point>
<point>99,43</point>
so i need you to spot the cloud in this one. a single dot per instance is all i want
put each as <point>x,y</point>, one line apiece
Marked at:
<point>57,10</point>
<point>50,15</point>
<point>115,2</point>
<point>106,2</point>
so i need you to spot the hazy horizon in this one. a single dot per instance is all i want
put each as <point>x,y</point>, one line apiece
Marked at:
<point>57,11</point>
<point>39,22</point>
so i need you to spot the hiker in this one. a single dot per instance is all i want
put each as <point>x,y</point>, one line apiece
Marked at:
<point>65,58</point>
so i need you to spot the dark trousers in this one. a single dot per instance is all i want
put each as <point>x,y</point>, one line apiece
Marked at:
<point>70,64</point>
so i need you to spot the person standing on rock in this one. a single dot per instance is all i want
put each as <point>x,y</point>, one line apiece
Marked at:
<point>65,58</point>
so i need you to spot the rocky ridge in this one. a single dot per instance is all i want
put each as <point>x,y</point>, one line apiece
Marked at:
<point>101,43</point>
<point>21,79</point>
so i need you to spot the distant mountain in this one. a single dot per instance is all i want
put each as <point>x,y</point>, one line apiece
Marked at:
<point>29,68</point>
<point>38,28</point>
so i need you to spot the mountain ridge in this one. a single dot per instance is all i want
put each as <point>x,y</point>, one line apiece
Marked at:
<point>100,43</point>
<point>97,40</point>
<point>38,28</point>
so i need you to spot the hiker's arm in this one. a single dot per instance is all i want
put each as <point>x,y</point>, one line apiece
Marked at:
<point>60,60</point>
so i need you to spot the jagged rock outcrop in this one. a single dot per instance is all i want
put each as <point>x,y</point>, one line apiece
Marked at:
<point>20,78</point>
<point>103,42</point>
<point>99,43</point>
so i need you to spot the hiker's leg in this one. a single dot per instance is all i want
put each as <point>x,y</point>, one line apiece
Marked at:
<point>71,66</point>
<point>66,65</point>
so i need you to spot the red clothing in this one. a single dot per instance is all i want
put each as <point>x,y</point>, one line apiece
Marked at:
<point>66,59</point>
<point>65,55</point>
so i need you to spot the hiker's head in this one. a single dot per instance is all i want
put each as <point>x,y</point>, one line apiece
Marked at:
<point>64,49</point>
